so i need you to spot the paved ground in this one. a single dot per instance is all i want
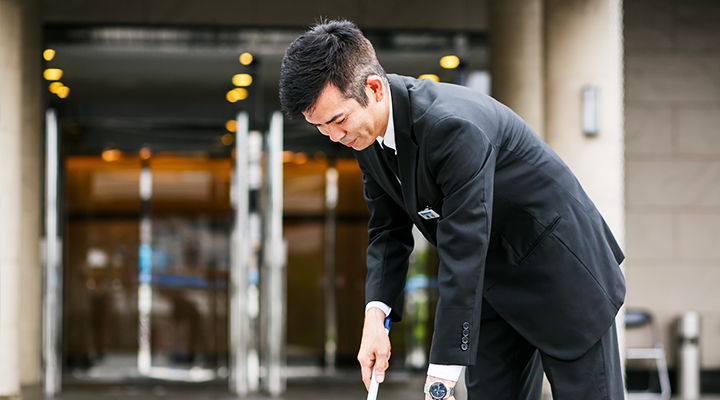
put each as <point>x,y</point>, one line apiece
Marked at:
<point>339,387</point>
<point>401,386</point>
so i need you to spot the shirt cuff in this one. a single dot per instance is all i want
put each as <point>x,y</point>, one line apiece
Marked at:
<point>378,304</point>
<point>447,372</point>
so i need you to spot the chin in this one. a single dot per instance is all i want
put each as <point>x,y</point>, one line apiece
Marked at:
<point>360,146</point>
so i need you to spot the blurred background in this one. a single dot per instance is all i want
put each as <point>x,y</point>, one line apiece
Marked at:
<point>163,226</point>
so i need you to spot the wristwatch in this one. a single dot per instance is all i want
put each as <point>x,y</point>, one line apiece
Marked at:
<point>438,390</point>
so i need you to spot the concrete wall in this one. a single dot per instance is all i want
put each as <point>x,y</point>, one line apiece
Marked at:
<point>672,93</point>
<point>368,14</point>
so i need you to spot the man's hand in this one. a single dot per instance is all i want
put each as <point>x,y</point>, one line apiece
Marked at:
<point>447,383</point>
<point>374,348</point>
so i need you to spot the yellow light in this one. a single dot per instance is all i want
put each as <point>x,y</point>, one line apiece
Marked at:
<point>49,54</point>
<point>431,77</point>
<point>231,125</point>
<point>111,155</point>
<point>53,87</point>
<point>63,92</point>
<point>300,158</point>
<point>145,153</point>
<point>236,94</point>
<point>53,74</point>
<point>232,96</point>
<point>227,139</point>
<point>242,93</point>
<point>242,80</point>
<point>246,58</point>
<point>449,62</point>
<point>288,156</point>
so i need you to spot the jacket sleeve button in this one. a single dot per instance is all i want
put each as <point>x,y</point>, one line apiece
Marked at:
<point>466,325</point>
<point>464,346</point>
<point>466,332</point>
<point>465,339</point>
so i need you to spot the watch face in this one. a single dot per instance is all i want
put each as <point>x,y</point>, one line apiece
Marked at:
<point>438,390</point>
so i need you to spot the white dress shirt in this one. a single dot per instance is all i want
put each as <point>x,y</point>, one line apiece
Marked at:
<point>448,372</point>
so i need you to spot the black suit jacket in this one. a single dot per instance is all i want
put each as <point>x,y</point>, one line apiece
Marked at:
<point>515,225</point>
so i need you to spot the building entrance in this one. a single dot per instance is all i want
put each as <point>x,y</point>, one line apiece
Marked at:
<point>148,160</point>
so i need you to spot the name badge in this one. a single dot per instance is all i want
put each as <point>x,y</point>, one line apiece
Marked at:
<point>429,213</point>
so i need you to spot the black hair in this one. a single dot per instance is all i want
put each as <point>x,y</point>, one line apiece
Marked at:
<point>334,52</point>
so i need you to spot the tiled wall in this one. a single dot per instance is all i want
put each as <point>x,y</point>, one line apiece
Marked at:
<point>672,128</point>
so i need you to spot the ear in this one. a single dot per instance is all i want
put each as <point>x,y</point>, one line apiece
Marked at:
<point>375,87</point>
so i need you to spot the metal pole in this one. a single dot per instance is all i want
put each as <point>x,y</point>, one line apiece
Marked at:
<point>275,259</point>
<point>254,149</point>
<point>239,253</point>
<point>145,273</point>
<point>331,197</point>
<point>689,381</point>
<point>52,282</point>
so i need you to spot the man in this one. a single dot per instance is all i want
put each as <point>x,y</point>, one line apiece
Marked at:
<point>529,276</point>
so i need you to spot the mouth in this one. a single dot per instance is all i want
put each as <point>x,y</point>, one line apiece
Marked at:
<point>351,144</point>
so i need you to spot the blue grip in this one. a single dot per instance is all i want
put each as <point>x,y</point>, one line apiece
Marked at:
<point>387,323</point>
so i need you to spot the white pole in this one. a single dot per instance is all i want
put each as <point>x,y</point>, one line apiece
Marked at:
<point>52,304</point>
<point>240,253</point>
<point>689,356</point>
<point>275,259</point>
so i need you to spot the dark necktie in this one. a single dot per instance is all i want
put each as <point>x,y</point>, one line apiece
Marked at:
<point>391,158</point>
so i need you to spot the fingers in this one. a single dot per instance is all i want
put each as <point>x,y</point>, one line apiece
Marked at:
<point>381,365</point>
<point>366,370</point>
<point>374,349</point>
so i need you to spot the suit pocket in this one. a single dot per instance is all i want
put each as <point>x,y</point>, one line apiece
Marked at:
<point>550,229</point>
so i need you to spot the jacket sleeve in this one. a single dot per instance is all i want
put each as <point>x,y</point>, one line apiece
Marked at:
<point>390,243</point>
<point>462,160</point>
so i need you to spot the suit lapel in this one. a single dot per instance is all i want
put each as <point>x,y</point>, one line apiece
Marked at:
<point>383,174</point>
<point>406,148</point>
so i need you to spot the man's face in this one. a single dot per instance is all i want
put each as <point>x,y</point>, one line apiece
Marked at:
<point>346,121</point>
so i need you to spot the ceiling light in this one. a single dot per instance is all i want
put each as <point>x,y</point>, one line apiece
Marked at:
<point>53,74</point>
<point>63,92</point>
<point>49,54</point>
<point>145,153</point>
<point>431,77</point>
<point>53,87</point>
<point>242,93</point>
<point>232,96</point>
<point>449,62</point>
<point>246,58</point>
<point>242,80</point>
<point>111,155</point>
<point>300,158</point>
<point>227,139</point>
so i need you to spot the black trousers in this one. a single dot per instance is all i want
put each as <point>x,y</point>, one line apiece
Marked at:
<point>510,368</point>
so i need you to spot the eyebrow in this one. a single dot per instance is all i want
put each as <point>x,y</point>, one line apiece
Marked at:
<point>330,121</point>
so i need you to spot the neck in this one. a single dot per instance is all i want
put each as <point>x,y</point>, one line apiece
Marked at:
<point>385,107</point>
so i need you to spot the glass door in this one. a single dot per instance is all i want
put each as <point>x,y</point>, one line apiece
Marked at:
<point>146,267</point>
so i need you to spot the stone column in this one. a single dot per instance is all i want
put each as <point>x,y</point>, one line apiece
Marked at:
<point>20,194</point>
<point>516,58</point>
<point>32,193</point>
<point>583,46</point>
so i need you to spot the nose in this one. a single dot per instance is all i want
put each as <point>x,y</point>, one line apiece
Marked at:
<point>335,133</point>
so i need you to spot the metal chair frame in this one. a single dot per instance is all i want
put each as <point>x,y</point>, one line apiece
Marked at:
<point>637,319</point>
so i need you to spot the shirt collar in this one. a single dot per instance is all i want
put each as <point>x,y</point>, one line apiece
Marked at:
<point>389,139</point>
